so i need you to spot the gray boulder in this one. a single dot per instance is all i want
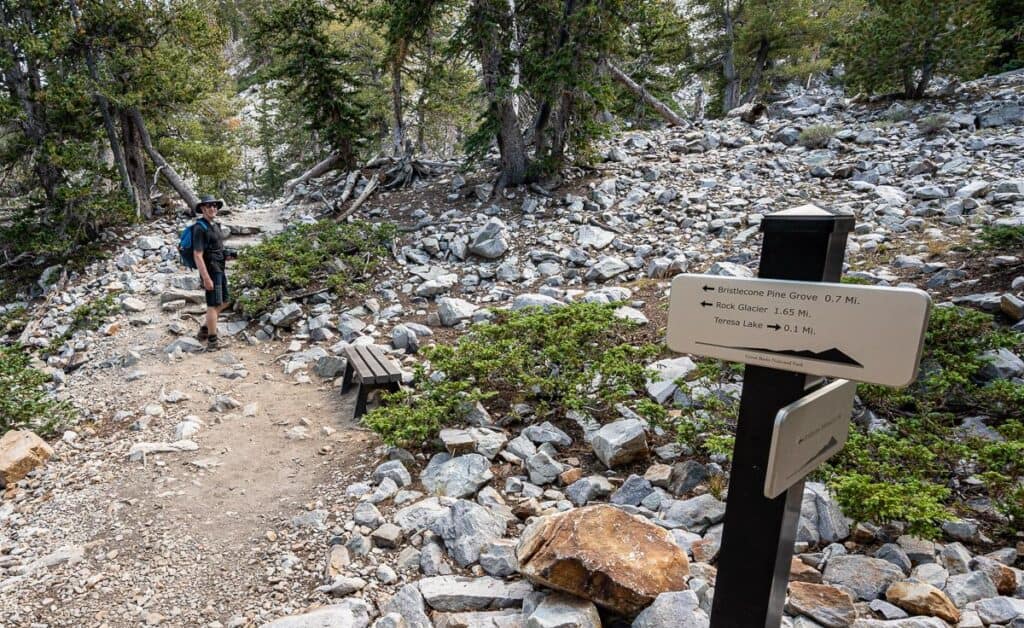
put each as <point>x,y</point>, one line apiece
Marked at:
<point>408,602</point>
<point>453,311</point>
<point>695,514</point>
<point>333,616</point>
<point>535,300</point>
<point>673,608</point>
<point>606,268</point>
<point>421,515</point>
<point>543,468</point>
<point>559,610</point>
<point>662,383</point>
<point>395,470</point>
<point>867,578</point>
<point>1001,364</point>
<point>466,529</point>
<point>498,558</point>
<point>460,593</point>
<point>620,442</point>
<point>587,489</point>
<point>546,432</point>
<point>461,476</point>
<point>285,315</point>
<point>491,240</point>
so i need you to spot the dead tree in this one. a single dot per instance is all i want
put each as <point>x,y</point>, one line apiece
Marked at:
<point>179,185</point>
<point>670,116</point>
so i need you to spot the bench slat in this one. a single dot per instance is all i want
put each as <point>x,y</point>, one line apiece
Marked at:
<point>373,361</point>
<point>387,368</point>
<point>364,372</point>
<point>372,366</point>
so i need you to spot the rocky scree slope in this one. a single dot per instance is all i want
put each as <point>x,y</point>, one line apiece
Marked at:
<point>453,540</point>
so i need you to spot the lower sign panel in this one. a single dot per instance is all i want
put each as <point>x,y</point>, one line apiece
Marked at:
<point>808,432</point>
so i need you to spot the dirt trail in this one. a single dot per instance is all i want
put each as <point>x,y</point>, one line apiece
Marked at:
<point>193,538</point>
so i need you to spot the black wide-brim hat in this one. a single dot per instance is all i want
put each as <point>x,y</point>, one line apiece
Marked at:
<point>208,200</point>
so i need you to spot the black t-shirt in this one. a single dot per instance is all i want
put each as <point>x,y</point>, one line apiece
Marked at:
<point>209,242</point>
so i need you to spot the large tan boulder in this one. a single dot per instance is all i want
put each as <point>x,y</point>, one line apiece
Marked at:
<point>20,452</point>
<point>919,598</point>
<point>605,555</point>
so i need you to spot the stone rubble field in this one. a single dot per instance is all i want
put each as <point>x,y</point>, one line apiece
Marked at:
<point>232,489</point>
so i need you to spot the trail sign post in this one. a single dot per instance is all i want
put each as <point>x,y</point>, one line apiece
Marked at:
<point>790,329</point>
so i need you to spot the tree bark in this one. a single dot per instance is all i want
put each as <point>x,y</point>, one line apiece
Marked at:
<point>731,95</point>
<point>502,106</point>
<point>325,165</point>
<point>670,116</point>
<point>760,63</point>
<point>103,104</point>
<point>179,185</point>
<point>398,132</point>
<point>20,86</point>
<point>135,163</point>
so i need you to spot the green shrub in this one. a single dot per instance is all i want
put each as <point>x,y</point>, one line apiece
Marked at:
<point>949,366</point>
<point>707,423</point>
<point>25,403</point>
<point>816,136</point>
<point>579,357</point>
<point>903,473</point>
<point>1003,238</point>
<point>325,254</point>
<point>917,503</point>
<point>933,124</point>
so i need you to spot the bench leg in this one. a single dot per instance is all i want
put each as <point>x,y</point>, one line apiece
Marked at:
<point>346,381</point>
<point>361,401</point>
<point>394,386</point>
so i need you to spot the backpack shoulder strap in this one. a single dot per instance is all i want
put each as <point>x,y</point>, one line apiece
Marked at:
<point>202,223</point>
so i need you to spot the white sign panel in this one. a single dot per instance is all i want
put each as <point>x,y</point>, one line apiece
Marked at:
<point>808,432</point>
<point>863,333</point>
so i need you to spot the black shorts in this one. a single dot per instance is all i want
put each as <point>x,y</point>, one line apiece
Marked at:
<point>219,295</point>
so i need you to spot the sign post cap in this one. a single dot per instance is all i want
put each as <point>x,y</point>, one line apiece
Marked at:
<point>807,218</point>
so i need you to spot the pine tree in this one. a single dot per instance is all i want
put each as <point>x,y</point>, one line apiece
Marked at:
<point>904,44</point>
<point>313,67</point>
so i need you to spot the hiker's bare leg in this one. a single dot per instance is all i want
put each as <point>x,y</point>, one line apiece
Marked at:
<point>211,319</point>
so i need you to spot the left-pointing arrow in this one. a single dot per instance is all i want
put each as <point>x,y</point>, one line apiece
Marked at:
<point>706,304</point>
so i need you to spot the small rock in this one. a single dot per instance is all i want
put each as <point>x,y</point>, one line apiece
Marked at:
<point>559,610</point>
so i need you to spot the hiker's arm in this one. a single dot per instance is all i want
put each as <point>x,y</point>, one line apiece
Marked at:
<point>203,273</point>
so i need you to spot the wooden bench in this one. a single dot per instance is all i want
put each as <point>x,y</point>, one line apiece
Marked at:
<point>372,369</point>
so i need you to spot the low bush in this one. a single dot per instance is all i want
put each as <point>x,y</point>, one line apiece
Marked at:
<point>89,317</point>
<point>933,124</point>
<point>12,321</point>
<point>816,136</point>
<point>706,422</point>
<point>579,357</point>
<point>1003,238</point>
<point>25,403</point>
<point>325,254</point>
<point>906,472</point>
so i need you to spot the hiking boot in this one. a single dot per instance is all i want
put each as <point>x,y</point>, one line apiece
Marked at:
<point>203,334</point>
<point>213,344</point>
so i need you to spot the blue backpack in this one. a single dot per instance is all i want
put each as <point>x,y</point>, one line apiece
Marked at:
<point>185,247</point>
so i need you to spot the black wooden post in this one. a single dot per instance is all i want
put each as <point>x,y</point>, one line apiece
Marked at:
<point>802,244</point>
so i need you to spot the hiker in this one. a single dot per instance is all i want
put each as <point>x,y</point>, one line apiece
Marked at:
<point>210,257</point>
